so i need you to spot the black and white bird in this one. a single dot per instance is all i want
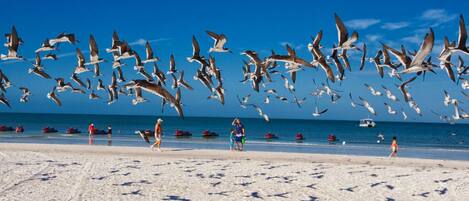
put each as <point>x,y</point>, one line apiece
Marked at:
<point>52,96</point>
<point>25,96</point>
<point>345,42</point>
<point>219,42</point>
<point>63,38</point>
<point>149,52</point>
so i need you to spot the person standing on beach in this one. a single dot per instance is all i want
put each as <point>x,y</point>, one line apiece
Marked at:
<point>240,134</point>
<point>158,132</point>
<point>91,129</point>
<point>394,147</point>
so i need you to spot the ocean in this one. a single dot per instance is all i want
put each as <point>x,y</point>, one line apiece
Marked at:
<point>420,140</point>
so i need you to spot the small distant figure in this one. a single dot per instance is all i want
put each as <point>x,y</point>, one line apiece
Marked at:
<point>158,132</point>
<point>239,134</point>
<point>232,139</point>
<point>91,129</point>
<point>109,130</point>
<point>394,147</point>
<point>19,129</point>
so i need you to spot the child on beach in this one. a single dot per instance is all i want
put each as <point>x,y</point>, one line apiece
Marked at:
<point>394,147</point>
<point>240,133</point>
<point>232,140</point>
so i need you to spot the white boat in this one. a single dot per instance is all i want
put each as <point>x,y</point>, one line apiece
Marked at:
<point>367,123</point>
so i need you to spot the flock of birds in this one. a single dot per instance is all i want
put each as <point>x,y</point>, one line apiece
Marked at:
<point>397,62</point>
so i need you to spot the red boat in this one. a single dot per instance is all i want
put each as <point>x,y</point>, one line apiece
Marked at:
<point>49,130</point>
<point>299,136</point>
<point>270,136</point>
<point>73,131</point>
<point>181,133</point>
<point>19,129</point>
<point>4,128</point>
<point>331,138</point>
<point>208,133</point>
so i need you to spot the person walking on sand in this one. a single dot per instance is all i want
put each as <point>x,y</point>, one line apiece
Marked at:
<point>158,132</point>
<point>240,133</point>
<point>394,147</point>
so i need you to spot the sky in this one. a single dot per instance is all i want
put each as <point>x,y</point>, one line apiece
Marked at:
<point>249,25</point>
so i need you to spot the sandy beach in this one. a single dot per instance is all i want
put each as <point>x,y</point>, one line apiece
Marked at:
<point>79,172</point>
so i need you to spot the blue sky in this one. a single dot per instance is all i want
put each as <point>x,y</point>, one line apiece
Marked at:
<point>259,26</point>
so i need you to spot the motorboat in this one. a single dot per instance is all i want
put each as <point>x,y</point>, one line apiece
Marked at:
<point>367,123</point>
<point>208,134</point>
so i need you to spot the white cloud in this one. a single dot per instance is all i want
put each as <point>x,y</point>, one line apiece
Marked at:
<point>361,23</point>
<point>395,25</point>
<point>142,41</point>
<point>296,47</point>
<point>437,16</point>
<point>413,39</point>
<point>373,37</point>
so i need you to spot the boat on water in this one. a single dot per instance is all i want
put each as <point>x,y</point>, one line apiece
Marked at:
<point>270,136</point>
<point>367,123</point>
<point>299,137</point>
<point>181,133</point>
<point>208,134</point>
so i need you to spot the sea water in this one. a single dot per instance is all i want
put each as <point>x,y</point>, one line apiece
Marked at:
<point>422,140</point>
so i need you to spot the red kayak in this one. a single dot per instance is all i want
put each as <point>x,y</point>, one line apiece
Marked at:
<point>331,138</point>
<point>49,130</point>
<point>4,128</point>
<point>299,136</point>
<point>208,133</point>
<point>181,133</point>
<point>270,136</point>
<point>73,131</point>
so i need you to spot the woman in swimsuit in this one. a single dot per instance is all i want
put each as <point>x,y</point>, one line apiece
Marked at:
<point>158,132</point>
<point>394,147</point>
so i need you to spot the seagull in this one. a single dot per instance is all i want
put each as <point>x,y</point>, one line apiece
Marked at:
<point>80,68</point>
<point>290,58</point>
<point>196,54</point>
<point>172,65</point>
<point>63,37</point>
<point>88,84</point>
<point>93,96</point>
<point>12,45</point>
<point>39,72</point>
<point>62,86</point>
<point>100,85</point>
<point>244,101</point>
<point>367,105</point>
<point>45,47</point>
<point>182,82</point>
<point>138,97</point>
<point>111,95</point>
<point>203,79</point>
<point>138,62</point>
<point>246,72</point>
<point>449,70</point>
<point>343,56</point>
<point>271,91</point>
<point>282,98</point>
<point>345,42</point>
<point>389,108</point>
<point>448,100</point>
<point>352,103</point>
<point>159,91</point>
<point>319,57</point>
<point>78,90</point>
<point>363,58</point>
<point>4,81</point>
<point>124,51</point>
<point>214,70</point>
<point>256,77</point>
<point>298,101</point>
<point>287,85</point>
<point>267,100</point>
<point>389,94</point>
<point>377,61</point>
<point>52,96</point>
<point>219,42</point>
<point>120,75</point>
<point>402,87</point>
<point>373,91</point>
<point>26,93</point>
<point>50,56</point>
<point>416,107</point>
<point>418,64</point>
<point>115,43</point>
<point>158,74</point>
<point>462,70</point>
<point>77,80</point>
<point>94,51</point>
<point>387,60</point>
<point>462,38</point>
<point>144,73</point>
<point>4,100</point>
<point>318,113</point>
<point>149,53</point>
<point>338,64</point>
<point>404,115</point>
<point>219,94</point>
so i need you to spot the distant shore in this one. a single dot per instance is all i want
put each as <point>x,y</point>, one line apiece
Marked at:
<point>77,172</point>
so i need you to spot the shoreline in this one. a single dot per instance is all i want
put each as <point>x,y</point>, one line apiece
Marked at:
<point>171,152</point>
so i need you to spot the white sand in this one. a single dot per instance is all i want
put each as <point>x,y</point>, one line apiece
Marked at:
<point>79,172</point>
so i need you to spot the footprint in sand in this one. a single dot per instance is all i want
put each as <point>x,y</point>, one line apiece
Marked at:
<point>175,197</point>
<point>137,192</point>
<point>280,195</point>
<point>425,194</point>
<point>220,193</point>
<point>215,184</point>
<point>98,178</point>
<point>377,184</point>
<point>254,195</point>
<point>245,184</point>
<point>390,187</point>
<point>311,186</point>
<point>443,180</point>
<point>442,191</point>
<point>349,189</point>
